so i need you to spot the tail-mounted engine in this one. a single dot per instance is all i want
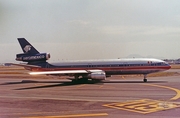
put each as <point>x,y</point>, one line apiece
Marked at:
<point>32,58</point>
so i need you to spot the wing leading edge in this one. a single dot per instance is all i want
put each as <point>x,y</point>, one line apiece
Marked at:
<point>65,72</point>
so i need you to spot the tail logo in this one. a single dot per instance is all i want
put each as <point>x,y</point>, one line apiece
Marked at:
<point>27,48</point>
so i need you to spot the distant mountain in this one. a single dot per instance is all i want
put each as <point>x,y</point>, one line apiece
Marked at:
<point>157,57</point>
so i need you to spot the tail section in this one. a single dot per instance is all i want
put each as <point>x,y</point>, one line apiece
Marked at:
<point>30,55</point>
<point>27,47</point>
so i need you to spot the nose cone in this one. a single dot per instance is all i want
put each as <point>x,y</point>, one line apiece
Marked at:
<point>169,66</point>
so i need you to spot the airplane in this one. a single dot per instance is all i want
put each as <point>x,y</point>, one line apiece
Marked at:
<point>95,70</point>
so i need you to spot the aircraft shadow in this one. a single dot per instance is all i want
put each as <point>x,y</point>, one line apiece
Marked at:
<point>134,82</point>
<point>68,83</point>
<point>32,81</point>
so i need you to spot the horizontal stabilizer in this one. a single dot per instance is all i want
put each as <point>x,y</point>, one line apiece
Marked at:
<point>24,65</point>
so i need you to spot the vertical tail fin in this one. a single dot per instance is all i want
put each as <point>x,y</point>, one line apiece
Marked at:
<point>27,47</point>
<point>30,55</point>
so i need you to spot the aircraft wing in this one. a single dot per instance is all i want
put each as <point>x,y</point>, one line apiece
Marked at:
<point>61,72</point>
<point>64,72</point>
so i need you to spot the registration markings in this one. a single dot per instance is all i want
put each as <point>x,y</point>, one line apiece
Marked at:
<point>144,106</point>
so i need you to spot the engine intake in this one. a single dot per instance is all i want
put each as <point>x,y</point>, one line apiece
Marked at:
<point>97,75</point>
<point>30,58</point>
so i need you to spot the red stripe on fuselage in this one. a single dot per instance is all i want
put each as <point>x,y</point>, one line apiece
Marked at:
<point>126,68</point>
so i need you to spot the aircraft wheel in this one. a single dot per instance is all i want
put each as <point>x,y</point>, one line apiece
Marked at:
<point>96,81</point>
<point>145,76</point>
<point>74,81</point>
<point>145,80</point>
<point>84,80</point>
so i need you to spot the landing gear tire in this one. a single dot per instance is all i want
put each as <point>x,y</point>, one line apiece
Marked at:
<point>96,81</point>
<point>145,80</point>
<point>74,81</point>
<point>80,81</point>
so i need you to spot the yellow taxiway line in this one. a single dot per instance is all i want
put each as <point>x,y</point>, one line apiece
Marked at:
<point>177,96</point>
<point>70,116</point>
<point>146,106</point>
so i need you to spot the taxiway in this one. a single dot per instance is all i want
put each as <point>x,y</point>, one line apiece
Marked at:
<point>29,97</point>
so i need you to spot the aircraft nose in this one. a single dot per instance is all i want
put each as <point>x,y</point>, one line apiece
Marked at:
<point>168,66</point>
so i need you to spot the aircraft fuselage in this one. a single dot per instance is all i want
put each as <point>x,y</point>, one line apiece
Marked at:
<point>113,66</point>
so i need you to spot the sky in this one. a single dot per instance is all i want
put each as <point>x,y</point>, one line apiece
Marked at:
<point>91,29</point>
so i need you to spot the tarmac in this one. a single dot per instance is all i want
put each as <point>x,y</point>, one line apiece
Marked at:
<point>25,96</point>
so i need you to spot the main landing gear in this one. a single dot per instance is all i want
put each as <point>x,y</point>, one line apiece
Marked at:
<point>80,80</point>
<point>145,78</point>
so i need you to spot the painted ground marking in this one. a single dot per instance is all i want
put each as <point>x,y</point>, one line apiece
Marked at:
<point>177,96</point>
<point>144,106</point>
<point>70,116</point>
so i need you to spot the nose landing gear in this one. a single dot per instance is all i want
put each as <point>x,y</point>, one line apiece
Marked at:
<point>145,78</point>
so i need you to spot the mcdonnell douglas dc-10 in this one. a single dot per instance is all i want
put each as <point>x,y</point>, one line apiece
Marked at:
<point>83,70</point>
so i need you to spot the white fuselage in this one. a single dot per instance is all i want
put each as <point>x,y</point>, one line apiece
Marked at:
<point>113,66</point>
